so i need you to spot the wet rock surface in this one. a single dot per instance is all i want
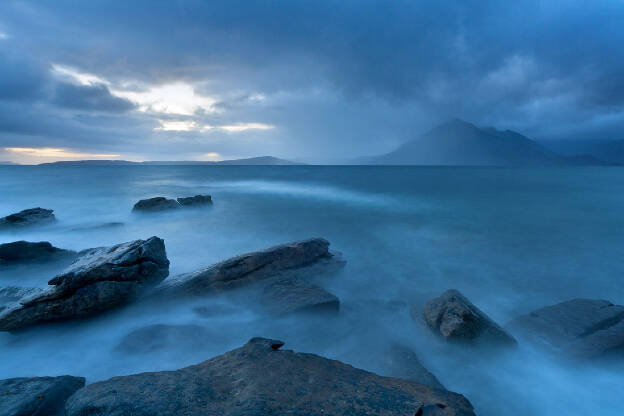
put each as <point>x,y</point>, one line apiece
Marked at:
<point>583,328</point>
<point>159,337</point>
<point>155,204</point>
<point>197,200</point>
<point>37,396</point>
<point>260,379</point>
<point>25,251</point>
<point>100,279</point>
<point>11,295</point>
<point>28,217</point>
<point>456,319</point>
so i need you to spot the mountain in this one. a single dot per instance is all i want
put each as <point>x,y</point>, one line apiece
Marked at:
<point>256,161</point>
<point>7,163</point>
<point>609,151</point>
<point>460,143</point>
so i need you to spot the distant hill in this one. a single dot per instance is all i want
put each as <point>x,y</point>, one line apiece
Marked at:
<point>7,163</point>
<point>257,161</point>
<point>460,143</point>
<point>609,151</point>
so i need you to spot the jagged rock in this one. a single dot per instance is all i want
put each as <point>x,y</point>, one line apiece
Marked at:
<point>37,396</point>
<point>261,379</point>
<point>13,294</point>
<point>455,318</point>
<point>196,200</point>
<point>158,203</point>
<point>100,279</point>
<point>28,217</point>
<point>583,328</point>
<point>301,259</point>
<point>165,337</point>
<point>25,251</point>
<point>285,295</point>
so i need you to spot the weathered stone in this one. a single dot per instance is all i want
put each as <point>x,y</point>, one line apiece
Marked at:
<point>260,379</point>
<point>456,319</point>
<point>196,200</point>
<point>12,295</point>
<point>101,279</point>
<point>158,203</point>
<point>28,217</point>
<point>584,328</point>
<point>160,337</point>
<point>25,251</point>
<point>37,396</point>
<point>285,295</point>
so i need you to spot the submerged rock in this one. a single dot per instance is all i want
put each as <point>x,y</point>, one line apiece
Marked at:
<point>455,318</point>
<point>101,279</point>
<point>37,396</point>
<point>261,379</point>
<point>287,295</point>
<point>25,251</point>
<point>28,217</point>
<point>158,203</point>
<point>584,328</point>
<point>160,337</point>
<point>196,200</point>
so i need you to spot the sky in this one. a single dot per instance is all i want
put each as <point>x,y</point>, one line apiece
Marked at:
<point>316,81</point>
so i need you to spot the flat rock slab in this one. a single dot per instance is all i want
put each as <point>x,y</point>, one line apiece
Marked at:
<point>585,328</point>
<point>456,319</point>
<point>159,337</point>
<point>28,217</point>
<point>100,279</point>
<point>25,251</point>
<point>260,379</point>
<point>160,203</point>
<point>37,396</point>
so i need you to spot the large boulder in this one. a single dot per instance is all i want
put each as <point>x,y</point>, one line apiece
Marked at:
<point>37,396</point>
<point>302,259</point>
<point>261,379</point>
<point>158,203</point>
<point>28,217</point>
<point>583,328</point>
<point>101,279</point>
<point>194,201</point>
<point>25,251</point>
<point>456,319</point>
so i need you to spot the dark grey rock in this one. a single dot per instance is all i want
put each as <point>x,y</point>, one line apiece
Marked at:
<point>584,328</point>
<point>12,295</point>
<point>28,217</point>
<point>101,279</point>
<point>37,396</point>
<point>260,379</point>
<point>160,337</point>
<point>158,203</point>
<point>456,319</point>
<point>25,251</point>
<point>285,295</point>
<point>197,200</point>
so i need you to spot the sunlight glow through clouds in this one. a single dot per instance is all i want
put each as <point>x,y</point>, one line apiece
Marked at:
<point>51,154</point>
<point>189,125</point>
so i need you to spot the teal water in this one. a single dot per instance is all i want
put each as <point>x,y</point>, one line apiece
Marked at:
<point>511,239</point>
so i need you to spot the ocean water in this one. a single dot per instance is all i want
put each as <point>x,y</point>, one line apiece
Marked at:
<point>511,239</point>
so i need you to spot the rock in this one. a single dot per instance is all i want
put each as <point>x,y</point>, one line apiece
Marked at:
<point>28,217</point>
<point>159,337</point>
<point>456,319</point>
<point>13,294</point>
<point>196,200</point>
<point>158,203</point>
<point>285,295</point>
<point>260,379</point>
<point>37,396</point>
<point>583,328</point>
<point>301,259</point>
<point>100,279</point>
<point>24,251</point>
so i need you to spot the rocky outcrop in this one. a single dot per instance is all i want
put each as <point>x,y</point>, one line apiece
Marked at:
<point>25,251</point>
<point>456,319</point>
<point>28,217</point>
<point>160,337</point>
<point>261,379</point>
<point>302,259</point>
<point>583,328</point>
<point>158,203</point>
<point>37,396</point>
<point>101,279</point>
<point>286,295</point>
<point>197,200</point>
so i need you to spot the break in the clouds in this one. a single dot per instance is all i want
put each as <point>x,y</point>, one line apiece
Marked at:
<point>323,80</point>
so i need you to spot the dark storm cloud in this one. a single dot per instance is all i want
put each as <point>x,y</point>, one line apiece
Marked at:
<point>337,75</point>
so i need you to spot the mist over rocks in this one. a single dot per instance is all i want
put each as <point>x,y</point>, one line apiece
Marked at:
<point>37,396</point>
<point>286,295</point>
<point>456,319</point>
<point>100,279</point>
<point>28,217</point>
<point>13,294</point>
<point>158,337</point>
<point>161,203</point>
<point>260,378</point>
<point>196,200</point>
<point>579,328</point>
<point>25,251</point>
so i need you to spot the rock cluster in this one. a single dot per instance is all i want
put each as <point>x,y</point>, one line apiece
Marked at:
<point>160,203</point>
<point>28,217</point>
<point>37,396</point>
<point>25,251</point>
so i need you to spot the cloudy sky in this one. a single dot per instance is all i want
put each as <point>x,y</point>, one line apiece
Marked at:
<point>307,80</point>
